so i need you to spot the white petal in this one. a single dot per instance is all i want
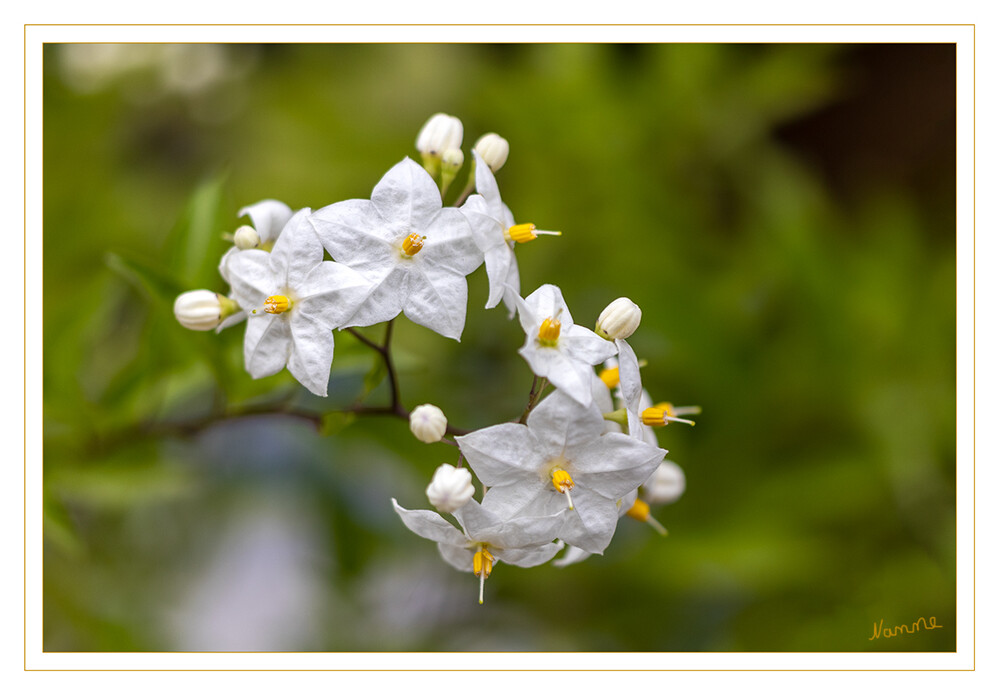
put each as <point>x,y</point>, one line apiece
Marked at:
<point>384,302</point>
<point>592,526</point>
<point>267,344</point>
<point>332,293</point>
<point>570,376</point>
<point>524,531</point>
<point>437,301</point>
<point>560,422</point>
<point>407,194</point>
<point>584,345</point>
<point>485,183</point>
<point>311,352</point>
<point>297,251</point>
<point>572,556</point>
<point>251,277</point>
<point>547,301</point>
<point>354,233</point>
<point>429,525</point>
<point>511,289</point>
<point>449,245</point>
<point>631,378</point>
<point>269,217</point>
<point>615,465</point>
<point>459,557</point>
<point>502,454</point>
<point>528,557</point>
<point>529,497</point>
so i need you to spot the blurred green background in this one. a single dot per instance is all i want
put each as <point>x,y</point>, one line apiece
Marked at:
<point>783,214</point>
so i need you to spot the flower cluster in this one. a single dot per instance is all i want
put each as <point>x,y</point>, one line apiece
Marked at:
<point>583,454</point>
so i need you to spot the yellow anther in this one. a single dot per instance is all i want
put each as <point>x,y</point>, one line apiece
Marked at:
<point>562,480</point>
<point>523,233</point>
<point>640,512</point>
<point>662,414</point>
<point>412,244</point>
<point>549,332</point>
<point>482,563</point>
<point>611,377</point>
<point>277,304</point>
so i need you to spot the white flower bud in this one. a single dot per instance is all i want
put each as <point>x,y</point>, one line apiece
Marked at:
<point>440,133</point>
<point>665,485</point>
<point>619,320</point>
<point>198,310</point>
<point>493,149</point>
<point>453,158</point>
<point>246,237</point>
<point>428,423</point>
<point>451,488</point>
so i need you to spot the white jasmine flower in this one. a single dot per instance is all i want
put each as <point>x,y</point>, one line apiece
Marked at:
<point>558,349</point>
<point>451,488</point>
<point>493,149</point>
<point>202,310</point>
<point>666,484</point>
<point>487,538</point>
<point>562,458</point>
<point>440,133</point>
<point>415,253</point>
<point>619,319</point>
<point>294,300</point>
<point>496,233</point>
<point>427,423</point>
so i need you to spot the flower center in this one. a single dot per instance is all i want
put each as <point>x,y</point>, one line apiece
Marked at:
<point>523,233</point>
<point>277,304</point>
<point>563,483</point>
<point>412,244</point>
<point>482,567</point>
<point>611,377</point>
<point>549,331</point>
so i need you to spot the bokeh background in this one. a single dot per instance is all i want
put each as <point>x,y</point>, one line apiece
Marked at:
<point>784,215</point>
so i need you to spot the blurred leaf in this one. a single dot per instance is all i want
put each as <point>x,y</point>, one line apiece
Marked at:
<point>157,285</point>
<point>374,377</point>
<point>195,243</point>
<point>336,422</point>
<point>115,487</point>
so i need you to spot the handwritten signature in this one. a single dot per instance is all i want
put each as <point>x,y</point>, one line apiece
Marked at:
<point>881,631</point>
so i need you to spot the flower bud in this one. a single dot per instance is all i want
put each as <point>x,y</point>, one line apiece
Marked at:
<point>246,237</point>
<point>439,134</point>
<point>619,320</point>
<point>198,310</point>
<point>493,149</point>
<point>428,424</point>
<point>451,488</point>
<point>665,485</point>
<point>451,162</point>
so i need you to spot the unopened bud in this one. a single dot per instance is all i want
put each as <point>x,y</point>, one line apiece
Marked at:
<point>428,424</point>
<point>246,237</point>
<point>439,134</point>
<point>665,485</point>
<point>493,150</point>
<point>451,488</point>
<point>451,162</point>
<point>619,320</point>
<point>202,310</point>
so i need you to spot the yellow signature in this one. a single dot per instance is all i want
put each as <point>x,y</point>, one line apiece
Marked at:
<point>881,631</point>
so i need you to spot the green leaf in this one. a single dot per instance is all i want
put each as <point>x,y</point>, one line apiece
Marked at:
<point>195,243</point>
<point>336,422</point>
<point>374,377</point>
<point>147,279</point>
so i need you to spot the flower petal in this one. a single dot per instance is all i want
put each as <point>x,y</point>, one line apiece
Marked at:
<point>311,353</point>
<point>592,526</point>
<point>547,301</point>
<point>297,251</point>
<point>569,375</point>
<point>459,557</point>
<point>266,344</point>
<point>631,378</point>
<point>332,293</point>
<point>584,345</point>
<point>429,525</point>
<point>449,245</point>
<point>385,301</point>
<point>614,465</point>
<point>250,275</point>
<point>528,557</point>
<point>560,423</point>
<point>268,217</point>
<point>406,196</point>
<point>354,233</point>
<point>502,454</point>
<point>437,301</point>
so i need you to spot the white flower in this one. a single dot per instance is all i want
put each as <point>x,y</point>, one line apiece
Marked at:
<point>619,319</point>
<point>294,300</point>
<point>494,150</point>
<point>562,458</point>
<point>558,349</point>
<point>487,538</point>
<point>246,237</point>
<point>440,133</point>
<point>451,488</point>
<point>202,310</point>
<point>496,233</point>
<point>427,423</point>
<point>665,485</point>
<point>414,252</point>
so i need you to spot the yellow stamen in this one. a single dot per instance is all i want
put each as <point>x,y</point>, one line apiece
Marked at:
<point>277,304</point>
<point>563,483</point>
<point>412,244</point>
<point>611,377</point>
<point>660,415</point>
<point>523,233</point>
<point>482,567</point>
<point>549,332</point>
<point>640,512</point>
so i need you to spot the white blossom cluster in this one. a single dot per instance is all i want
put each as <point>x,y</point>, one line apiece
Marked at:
<point>579,458</point>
